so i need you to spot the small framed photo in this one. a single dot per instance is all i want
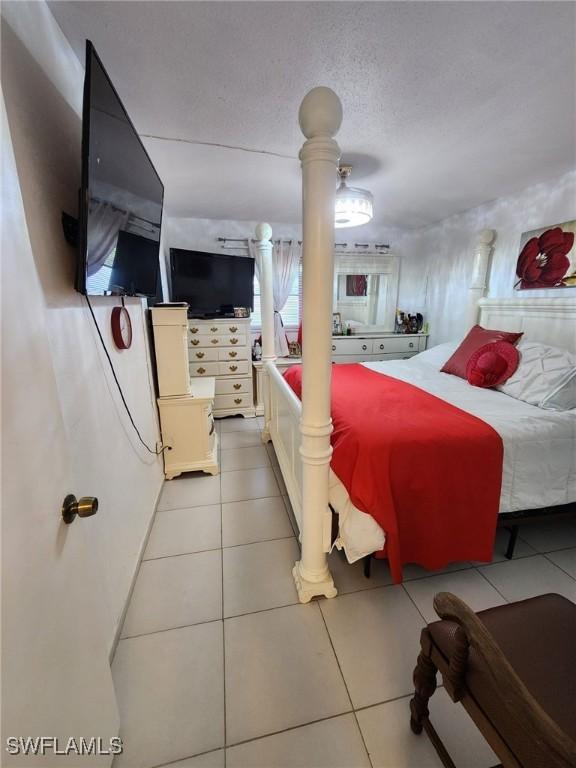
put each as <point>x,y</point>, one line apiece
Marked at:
<point>294,349</point>
<point>336,324</point>
<point>241,312</point>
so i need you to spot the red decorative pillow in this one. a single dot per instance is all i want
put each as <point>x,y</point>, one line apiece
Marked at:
<point>475,339</point>
<point>492,364</point>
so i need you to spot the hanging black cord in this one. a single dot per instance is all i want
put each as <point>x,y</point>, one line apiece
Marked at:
<point>155,453</point>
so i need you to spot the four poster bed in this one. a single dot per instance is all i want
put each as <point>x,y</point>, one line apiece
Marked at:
<point>402,429</point>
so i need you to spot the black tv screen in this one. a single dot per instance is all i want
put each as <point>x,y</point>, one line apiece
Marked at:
<point>120,199</point>
<point>211,283</point>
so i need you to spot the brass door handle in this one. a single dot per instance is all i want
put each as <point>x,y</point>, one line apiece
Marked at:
<point>214,329</point>
<point>200,354</point>
<point>233,341</point>
<point>84,507</point>
<point>233,353</point>
<point>237,386</point>
<point>233,329</point>
<point>200,370</point>
<point>195,341</point>
<point>237,400</point>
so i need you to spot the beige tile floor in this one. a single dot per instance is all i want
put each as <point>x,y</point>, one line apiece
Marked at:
<point>219,665</point>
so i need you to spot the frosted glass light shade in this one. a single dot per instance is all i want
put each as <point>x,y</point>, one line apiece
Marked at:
<point>353,206</point>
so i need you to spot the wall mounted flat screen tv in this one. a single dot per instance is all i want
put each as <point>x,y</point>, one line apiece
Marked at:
<point>211,283</point>
<point>121,196</point>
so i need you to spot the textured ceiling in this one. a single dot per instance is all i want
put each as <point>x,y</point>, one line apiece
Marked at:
<point>446,105</point>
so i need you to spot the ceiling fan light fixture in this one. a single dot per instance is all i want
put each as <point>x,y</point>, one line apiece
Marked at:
<point>353,206</point>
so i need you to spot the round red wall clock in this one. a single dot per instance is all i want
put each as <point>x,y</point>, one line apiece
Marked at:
<point>121,328</point>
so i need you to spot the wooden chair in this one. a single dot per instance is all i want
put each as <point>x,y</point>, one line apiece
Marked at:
<point>513,668</point>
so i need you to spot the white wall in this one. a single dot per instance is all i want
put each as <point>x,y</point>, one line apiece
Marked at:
<point>42,84</point>
<point>436,261</point>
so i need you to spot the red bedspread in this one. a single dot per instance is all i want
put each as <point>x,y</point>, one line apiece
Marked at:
<point>428,472</point>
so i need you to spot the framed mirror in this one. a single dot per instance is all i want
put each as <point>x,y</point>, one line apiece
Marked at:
<point>366,289</point>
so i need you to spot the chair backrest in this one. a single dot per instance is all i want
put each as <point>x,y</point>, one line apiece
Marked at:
<point>523,724</point>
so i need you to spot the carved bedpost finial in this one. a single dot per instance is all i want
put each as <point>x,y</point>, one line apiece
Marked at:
<point>486,236</point>
<point>320,113</point>
<point>263,231</point>
<point>480,270</point>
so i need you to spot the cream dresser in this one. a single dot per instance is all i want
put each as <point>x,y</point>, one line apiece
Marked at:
<point>185,404</point>
<point>381,346</point>
<point>222,348</point>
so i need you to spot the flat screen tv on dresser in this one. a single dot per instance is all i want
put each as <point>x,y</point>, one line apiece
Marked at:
<point>212,283</point>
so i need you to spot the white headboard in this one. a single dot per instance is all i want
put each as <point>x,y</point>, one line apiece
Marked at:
<point>548,321</point>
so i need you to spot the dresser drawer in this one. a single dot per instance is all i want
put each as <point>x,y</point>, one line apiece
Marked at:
<point>209,340</point>
<point>231,368</point>
<point>228,402</point>
<point>396,344</point>
<point>199,354</point>
<point>201,368</point>
<point>229,386</point>
<point>348,346</point>
<point>232,353</point>
<point>219,326</point>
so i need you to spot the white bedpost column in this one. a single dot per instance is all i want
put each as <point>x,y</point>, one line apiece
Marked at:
<point>320,118</point>
<point>477,287</point>
<point>264,251</point>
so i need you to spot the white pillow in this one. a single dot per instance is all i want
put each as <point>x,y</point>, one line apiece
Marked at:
<point>438,355</point>
<point>546,377</point>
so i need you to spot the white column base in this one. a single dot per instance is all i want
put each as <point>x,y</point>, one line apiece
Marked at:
<point>309,589</point>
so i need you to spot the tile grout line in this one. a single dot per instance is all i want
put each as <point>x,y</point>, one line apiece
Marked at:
<point>344,681</point>
<point>288,729</point>
<point>414,603</point>
<point>487,580</point>
<point>559,566</point>
<point>236,501</point>
<point>217,549</point>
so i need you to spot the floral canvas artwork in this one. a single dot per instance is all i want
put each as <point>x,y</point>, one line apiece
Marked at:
<point>547,258</point>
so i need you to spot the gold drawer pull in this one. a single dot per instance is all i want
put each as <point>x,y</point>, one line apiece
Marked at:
<point>233,329</point>
<point>233,367</point>
<point>381,346</point>
<point>233,353</point>
<point>364,347</point>
<point>200,370</point>
<point>237,386</point>
<point>214,341</point>
<point>213,329</point>
<point>237,400</point>
<point>195,342</point>
<point>193,330</point>
<point>333,347</point>
<point>200,354</point>
<point>411,345</point>
<point>233,341</point>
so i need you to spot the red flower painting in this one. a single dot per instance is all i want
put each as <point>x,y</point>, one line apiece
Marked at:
<point>544,262</point>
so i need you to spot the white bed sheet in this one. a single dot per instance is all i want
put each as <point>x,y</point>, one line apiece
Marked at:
<point>539,467</point>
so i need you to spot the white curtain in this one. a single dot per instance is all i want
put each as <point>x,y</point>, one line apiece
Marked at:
<point>105,223</point>
<point>285,263</point>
